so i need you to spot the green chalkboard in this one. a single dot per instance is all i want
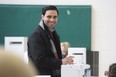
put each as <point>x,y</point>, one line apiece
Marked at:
<point>74,22</point>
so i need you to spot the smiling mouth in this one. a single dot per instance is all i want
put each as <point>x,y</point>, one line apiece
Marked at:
<point>51,23</point>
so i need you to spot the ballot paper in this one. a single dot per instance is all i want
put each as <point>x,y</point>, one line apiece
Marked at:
<point>79,54</point>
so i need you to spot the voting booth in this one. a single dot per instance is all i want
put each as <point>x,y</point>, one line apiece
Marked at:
<point>17,45</point>
<point>79,68</point>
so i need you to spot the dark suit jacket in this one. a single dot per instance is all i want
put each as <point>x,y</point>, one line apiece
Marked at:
<point>39,51</point>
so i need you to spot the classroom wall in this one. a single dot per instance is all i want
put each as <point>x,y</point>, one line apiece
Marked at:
<point>21,20</point>
<point>103,26</point>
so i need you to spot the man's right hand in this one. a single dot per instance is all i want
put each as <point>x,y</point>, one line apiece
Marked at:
<point>67,60</point>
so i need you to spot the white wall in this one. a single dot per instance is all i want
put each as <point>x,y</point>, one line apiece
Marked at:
<point>103,25</point>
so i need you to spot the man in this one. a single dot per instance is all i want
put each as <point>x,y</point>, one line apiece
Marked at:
<point>44,45</point>
<point>12,65</point>
<point>112,70</point>
<point>64,48</point>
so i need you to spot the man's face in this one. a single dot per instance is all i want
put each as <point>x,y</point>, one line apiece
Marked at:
<point>50,18</point>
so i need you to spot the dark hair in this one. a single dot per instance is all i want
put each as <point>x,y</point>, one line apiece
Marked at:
<point>49,7</point>
<point>112,70</point>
